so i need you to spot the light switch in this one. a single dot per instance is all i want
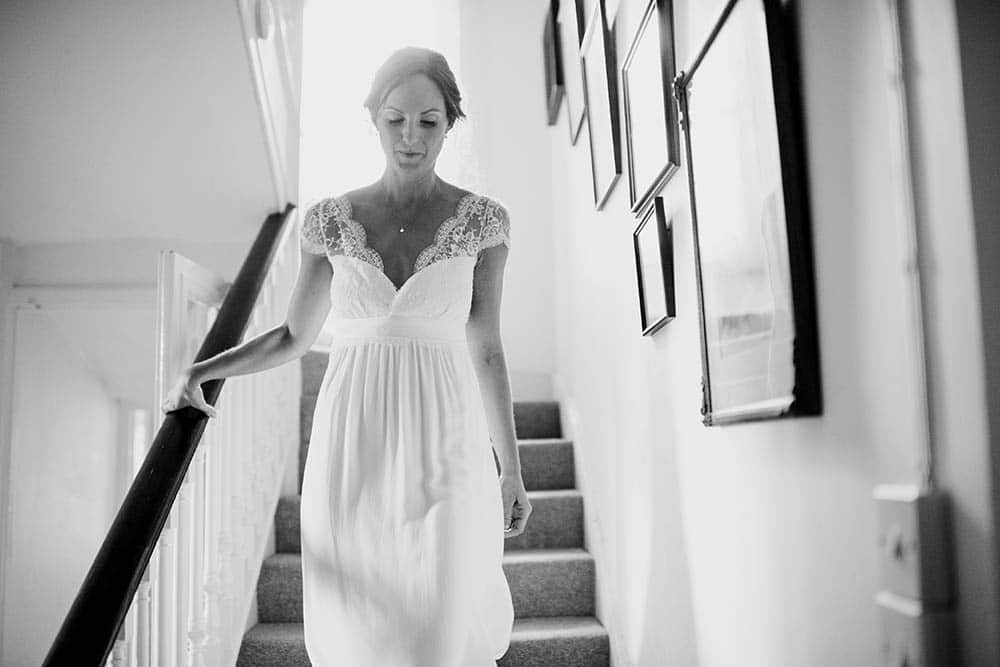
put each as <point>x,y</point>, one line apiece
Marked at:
<point>914,544</point>
<point>913,636</point>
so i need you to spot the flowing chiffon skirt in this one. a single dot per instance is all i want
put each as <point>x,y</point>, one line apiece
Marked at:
<point>401,514</point>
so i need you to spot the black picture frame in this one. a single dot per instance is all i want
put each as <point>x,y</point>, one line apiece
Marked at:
<point>652,137</point>
<point>600,92</point>
<point>569,22</point>
<point>552,56</point>
<point>750,219</point>
<point>653,245</point>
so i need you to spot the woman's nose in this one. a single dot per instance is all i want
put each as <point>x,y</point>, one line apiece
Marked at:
<point>407,130</point>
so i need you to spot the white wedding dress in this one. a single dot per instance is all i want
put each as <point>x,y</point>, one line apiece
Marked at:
<point>401,514</point>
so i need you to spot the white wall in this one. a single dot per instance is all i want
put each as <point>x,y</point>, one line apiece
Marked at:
<point>978,23</point>
<point>63,485</point>
<point>963,294</point>
<point>124,261</point>
<point>755,544</point>
<point>501,82</point>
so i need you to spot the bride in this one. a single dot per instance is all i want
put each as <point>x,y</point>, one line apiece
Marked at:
<point>403,514</point>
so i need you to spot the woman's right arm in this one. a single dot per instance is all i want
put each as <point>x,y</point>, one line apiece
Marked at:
<point>307,310</point>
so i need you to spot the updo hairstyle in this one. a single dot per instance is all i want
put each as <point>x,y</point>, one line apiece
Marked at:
<point>406,62</point>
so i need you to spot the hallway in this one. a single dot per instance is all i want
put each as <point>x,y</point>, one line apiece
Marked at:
<point>842,249</point>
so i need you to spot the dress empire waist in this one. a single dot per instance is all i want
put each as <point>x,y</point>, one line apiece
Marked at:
<point>396,327</point>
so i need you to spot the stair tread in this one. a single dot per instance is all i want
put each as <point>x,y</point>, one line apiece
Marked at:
<point>524,627</point>
<point>289,559</point>
<point>567,554</point>
<point>275,631</point>
<point>543,441</point>
<point>545,627</point>
<point>532,493</point>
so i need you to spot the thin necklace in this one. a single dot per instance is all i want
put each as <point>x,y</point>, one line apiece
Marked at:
<point>402,229</point>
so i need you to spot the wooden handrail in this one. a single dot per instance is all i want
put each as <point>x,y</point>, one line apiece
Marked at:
<point>89,630</point>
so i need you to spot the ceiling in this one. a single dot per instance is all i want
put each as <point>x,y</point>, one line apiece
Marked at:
<point>128,120</point>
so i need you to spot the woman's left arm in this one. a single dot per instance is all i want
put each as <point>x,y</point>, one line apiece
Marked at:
<point>486,349</point>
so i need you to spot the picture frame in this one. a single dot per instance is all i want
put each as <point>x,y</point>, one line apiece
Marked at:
<point>570,29</point>
<point>652,137</point>
<point>750,219</point>
<point>552,57</point>
<point>653,245</point>
<point>600,91</point>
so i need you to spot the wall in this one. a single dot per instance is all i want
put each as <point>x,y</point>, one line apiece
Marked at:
<point>63,485</point>
<point>978,23</point>
<point>124,261</point>
<point>502,79</point>
<point>755,544</point>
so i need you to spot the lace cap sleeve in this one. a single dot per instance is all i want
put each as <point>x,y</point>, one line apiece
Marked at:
<point>312,238</point>
<point>495,226</point>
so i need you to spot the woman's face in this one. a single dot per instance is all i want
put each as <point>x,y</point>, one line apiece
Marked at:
<point>411,125</point>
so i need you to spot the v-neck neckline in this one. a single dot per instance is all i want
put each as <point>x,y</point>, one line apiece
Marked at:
<point>436,239</point>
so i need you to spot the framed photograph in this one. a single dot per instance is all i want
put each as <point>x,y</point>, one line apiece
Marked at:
<point>651,129</point>
<point>653,243</point>
<point>553,63</point>
<point>600,89</point>
<point>570,29</point>
<point>750,219</point>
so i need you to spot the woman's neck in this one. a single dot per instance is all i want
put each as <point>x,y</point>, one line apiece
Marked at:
<point>405,191</point>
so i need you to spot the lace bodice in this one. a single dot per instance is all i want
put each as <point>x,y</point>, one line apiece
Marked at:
<point>441,283</point>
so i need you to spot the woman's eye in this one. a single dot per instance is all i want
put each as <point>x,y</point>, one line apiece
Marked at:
<point>429,123</point>
<point>394,121</point>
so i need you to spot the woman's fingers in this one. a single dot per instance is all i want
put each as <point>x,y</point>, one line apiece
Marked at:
<point>202,404</point>
<point>516,507</point>
<point>183,395</point>
<point>516,517</point>
<point>521,513</point>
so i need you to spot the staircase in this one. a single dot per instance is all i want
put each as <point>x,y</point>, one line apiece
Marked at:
<point>551,575</point>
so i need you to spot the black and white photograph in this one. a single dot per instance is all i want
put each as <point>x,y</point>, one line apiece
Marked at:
<point>601,94</point>
<point>654,269</point>
<point>553,62</point>
<point>521,333</point>
<point>651,123</point>
<point>751,224</point>
<point>570,27</point>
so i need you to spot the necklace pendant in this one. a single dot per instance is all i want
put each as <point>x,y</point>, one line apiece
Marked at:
<point>400,229</point>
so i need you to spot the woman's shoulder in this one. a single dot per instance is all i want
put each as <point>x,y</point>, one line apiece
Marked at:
<point>489,216</point>
<point>330,208</point>
<point>483,206</point>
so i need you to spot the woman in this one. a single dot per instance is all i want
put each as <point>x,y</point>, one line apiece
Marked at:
<point>403,516</point>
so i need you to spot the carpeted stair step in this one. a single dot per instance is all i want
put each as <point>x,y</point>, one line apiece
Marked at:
<point>546,457</point>
<point>556,522</point>
<point>279,589</point>
<point>537,419</point>
<point>546,463</point>
<point>543,582</point>
<point>532,419</point>
<point>273,645</point>
<point>558,641</point>
<point>554,641</point>
<point>287,534</point>
<point>550,582</point>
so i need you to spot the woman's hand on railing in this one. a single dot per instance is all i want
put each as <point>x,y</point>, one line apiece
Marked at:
<point>186,391</point>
